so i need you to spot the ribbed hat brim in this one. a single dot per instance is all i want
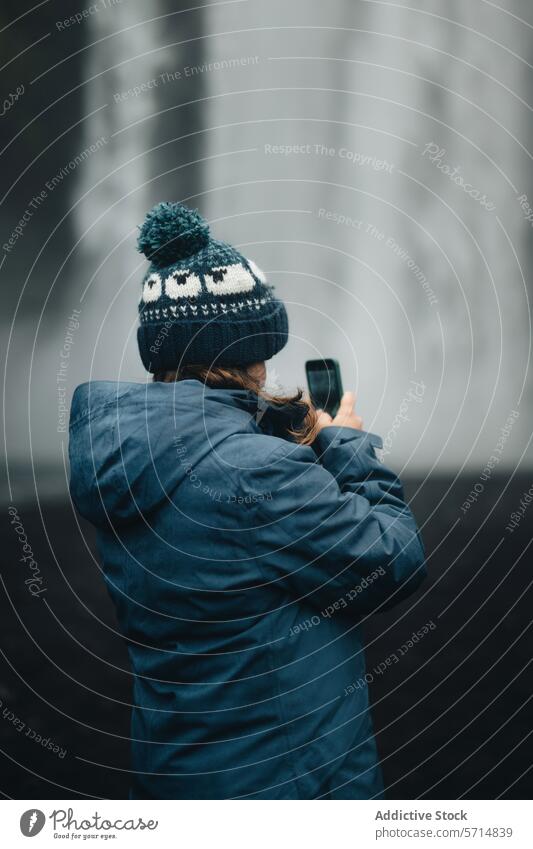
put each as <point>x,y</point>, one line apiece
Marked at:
<point>218,341</point>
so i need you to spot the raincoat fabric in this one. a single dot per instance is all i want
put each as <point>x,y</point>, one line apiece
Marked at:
<point>241,565</point>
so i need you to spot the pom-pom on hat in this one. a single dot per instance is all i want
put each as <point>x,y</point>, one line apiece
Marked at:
<point>202,301</point>
<point>172,232</point>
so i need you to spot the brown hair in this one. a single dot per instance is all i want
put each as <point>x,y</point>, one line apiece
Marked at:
<point>237,377</point>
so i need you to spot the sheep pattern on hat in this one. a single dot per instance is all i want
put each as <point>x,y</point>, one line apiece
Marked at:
<point>202,301</point>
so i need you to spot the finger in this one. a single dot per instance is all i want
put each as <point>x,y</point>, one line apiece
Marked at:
<point>323,418</point>
<point>346,405</point>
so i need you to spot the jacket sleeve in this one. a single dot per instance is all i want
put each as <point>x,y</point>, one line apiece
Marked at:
<point>338,517</point>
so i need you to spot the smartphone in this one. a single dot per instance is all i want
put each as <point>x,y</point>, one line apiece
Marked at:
<point>325,384</point>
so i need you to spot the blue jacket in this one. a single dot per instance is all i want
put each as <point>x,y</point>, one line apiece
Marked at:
<point>241,564</point>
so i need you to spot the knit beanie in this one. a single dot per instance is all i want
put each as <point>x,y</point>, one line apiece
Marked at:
<point>202,301</point>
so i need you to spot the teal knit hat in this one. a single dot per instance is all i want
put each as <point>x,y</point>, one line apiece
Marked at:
<point>202,301</point>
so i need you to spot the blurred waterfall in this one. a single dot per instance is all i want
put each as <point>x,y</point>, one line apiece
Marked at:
<point>373,158</point>
<point>113,191</point>
<point>424,283</point>
<point>143,163</point>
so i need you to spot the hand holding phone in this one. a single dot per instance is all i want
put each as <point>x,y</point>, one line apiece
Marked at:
<point>325,390</point>
<point>346,415</point>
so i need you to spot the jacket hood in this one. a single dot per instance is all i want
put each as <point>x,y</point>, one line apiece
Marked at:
<point>132,444</point>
